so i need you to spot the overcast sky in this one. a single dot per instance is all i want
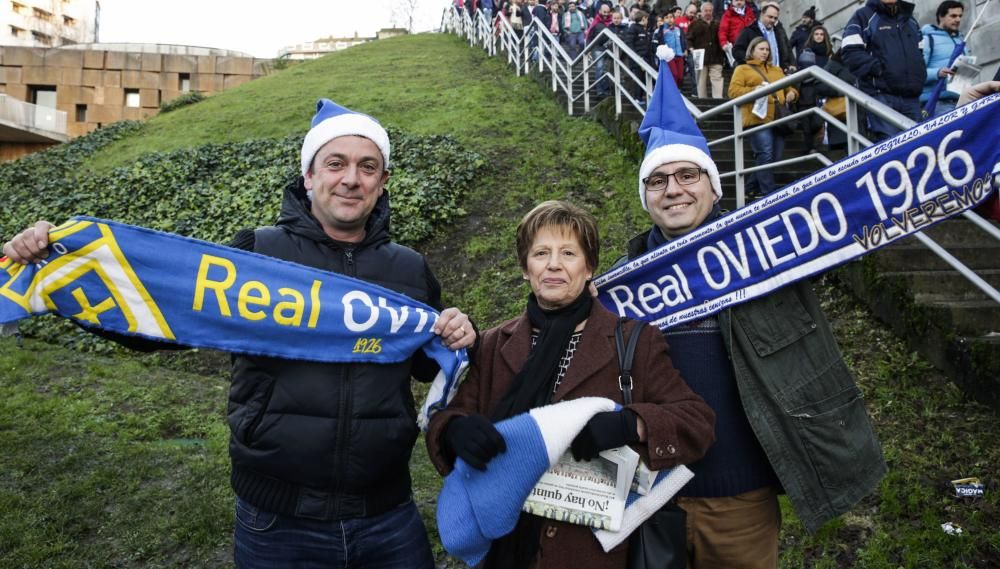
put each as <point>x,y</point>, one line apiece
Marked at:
<point>257,27</point>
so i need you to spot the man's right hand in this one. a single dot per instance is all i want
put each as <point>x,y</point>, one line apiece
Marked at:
<point>945,72</point>
<point>474,439</point>
<point>29,246</point>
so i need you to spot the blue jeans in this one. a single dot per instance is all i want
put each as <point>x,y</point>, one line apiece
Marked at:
<point>600,83</point>
<point>943,107</point>
<point>906,106</point>
<point>574,44</point>
<point>396,539</point>
<point>768,146</point>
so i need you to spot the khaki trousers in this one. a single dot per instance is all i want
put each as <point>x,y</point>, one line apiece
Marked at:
<point>737,532</point>
<point>711,73</point>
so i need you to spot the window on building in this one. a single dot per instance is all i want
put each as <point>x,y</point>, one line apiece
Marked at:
<point>81,113</point>
<point>132,98</point>
<point>41,38</point>
<point>17,7</point>
<point>184,82</point>
<point>42,95</point>
<point>69,21</point>
<point>41,14</point>
<point>16,31</point>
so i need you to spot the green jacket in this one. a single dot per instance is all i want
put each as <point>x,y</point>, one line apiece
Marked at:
<point>801,400</point>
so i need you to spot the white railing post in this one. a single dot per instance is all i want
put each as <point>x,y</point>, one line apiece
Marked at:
<point>618,79</point>
<point>738,156</point>
<point>851,108</point>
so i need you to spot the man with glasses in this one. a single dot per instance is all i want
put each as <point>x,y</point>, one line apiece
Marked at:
<point>789,416</point>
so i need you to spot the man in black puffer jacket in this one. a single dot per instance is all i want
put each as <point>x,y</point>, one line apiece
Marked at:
<point>320,451</point>
<point>881,48</point>
<point>315,443</point>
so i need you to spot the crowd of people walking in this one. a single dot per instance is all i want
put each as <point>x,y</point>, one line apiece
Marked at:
<point>882,50</point>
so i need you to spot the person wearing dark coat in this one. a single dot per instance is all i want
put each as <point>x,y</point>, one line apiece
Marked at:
<point>800,35</point>
<point>703,33</point>
<point>768,27</point>
<point>836,138</point>
<point>315,446</point>
<point>816,51</point>
<point>562,347</point>
<point>639,40</point>
<point>881,47</point>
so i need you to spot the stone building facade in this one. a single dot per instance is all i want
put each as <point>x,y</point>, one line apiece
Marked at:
<point>98,84</point>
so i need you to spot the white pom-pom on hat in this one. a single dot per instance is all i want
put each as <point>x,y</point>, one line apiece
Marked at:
<point>665,52</point>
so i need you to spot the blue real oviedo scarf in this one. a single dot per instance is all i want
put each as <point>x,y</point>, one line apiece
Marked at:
<point>174,289</point>
<point>888,191</point>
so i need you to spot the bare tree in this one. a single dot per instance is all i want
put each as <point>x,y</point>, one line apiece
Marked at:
<point>403,13</point>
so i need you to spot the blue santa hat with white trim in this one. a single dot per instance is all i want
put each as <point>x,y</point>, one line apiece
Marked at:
<point>669,131</point>
<point>331,121</point>
<point>476,507</point>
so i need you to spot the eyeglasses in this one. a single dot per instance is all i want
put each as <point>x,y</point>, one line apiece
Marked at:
<point>684,177</point>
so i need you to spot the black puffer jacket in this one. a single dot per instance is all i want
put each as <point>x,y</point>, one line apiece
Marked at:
<point>323,440</point>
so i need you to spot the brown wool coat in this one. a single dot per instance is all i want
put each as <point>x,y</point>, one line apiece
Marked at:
<point>679,425</point>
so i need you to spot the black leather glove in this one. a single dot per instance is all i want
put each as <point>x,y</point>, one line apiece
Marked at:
<point>610,429</point>
<point>474,439</point>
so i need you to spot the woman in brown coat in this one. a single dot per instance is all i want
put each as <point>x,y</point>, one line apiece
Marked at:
<point>563,347</point>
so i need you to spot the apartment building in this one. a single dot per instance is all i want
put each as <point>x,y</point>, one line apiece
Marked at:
<point>48,23</point>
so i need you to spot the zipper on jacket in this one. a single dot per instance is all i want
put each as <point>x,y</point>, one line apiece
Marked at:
<point>349,262</point>
<point>343,432</point>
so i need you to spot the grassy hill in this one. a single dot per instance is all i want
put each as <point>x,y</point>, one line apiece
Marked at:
<point>120,460</point>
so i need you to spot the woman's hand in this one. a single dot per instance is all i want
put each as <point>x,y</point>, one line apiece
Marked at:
<point>790,96</point>
<point>455,329</point>
<point>610,429</point>
<point>474,439</point>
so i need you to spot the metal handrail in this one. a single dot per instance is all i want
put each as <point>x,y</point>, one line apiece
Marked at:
<point>561,69</point>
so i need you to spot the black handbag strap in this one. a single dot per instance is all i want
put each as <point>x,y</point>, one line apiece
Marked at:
<point>625,356</point>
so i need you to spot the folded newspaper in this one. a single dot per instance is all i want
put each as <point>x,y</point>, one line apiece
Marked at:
<point>590,493</point>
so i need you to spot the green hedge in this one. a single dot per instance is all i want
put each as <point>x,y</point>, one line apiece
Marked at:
<point>212,191</point>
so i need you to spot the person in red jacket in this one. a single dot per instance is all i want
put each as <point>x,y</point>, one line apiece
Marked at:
<point>734,19</point>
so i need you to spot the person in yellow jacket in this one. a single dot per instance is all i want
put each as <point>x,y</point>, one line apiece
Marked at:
<point>767,144</point>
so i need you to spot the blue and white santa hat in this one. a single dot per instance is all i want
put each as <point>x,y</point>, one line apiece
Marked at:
<point>670,133</point>
<point>476,507</point>
<point>331,121</point>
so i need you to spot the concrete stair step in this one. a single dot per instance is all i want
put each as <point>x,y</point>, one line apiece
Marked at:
<point>945,284</point>
<point>960,231</point>
<point>966,317</point>
<point>910,255</point>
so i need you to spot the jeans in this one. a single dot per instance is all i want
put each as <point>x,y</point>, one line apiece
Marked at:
<point>396,539</point>
<point>768,146</point>
<point>906,106</point>
<point>943,107</point>
<point>600,83</point>
<point>574,44</point>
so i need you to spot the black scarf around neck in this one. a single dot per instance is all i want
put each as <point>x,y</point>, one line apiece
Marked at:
<point>532,386</point>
